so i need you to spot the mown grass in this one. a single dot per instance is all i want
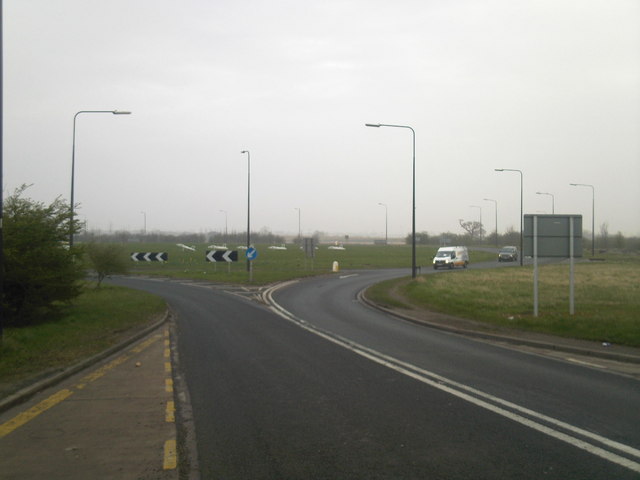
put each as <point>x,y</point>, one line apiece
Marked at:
<point>98,319</point>
<point>280,265</point>
<point>607,298</point>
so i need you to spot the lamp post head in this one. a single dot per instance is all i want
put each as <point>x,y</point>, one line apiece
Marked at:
<point>499,169</point>
<point>244,151</point>
<point>121,112</point>
<point>376,125</point>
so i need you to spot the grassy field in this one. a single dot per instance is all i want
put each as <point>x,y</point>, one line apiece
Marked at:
<point>278,265</point>
<point>98,319</point>
<point>607,298</point>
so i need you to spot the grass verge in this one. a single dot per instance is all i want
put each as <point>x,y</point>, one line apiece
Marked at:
<point>97,320</point>
<point>281,265</point>
<point>607,298</point>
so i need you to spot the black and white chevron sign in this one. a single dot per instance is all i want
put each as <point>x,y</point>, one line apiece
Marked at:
<point>222,256</point>
<point>149,256</point>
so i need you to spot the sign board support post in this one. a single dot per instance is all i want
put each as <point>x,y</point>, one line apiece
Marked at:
<point>251,255</point>
<point>535,265</point>
<point>571,278</point>
<point>216,256</point>
<point>309,251</point>
<point>553,236</point>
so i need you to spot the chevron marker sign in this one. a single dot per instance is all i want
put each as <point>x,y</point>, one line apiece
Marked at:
<point>222,256</point>
<point>149,256</point>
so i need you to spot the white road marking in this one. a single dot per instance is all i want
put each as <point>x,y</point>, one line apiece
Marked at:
<point>474,396</point>
<point>580,362</point>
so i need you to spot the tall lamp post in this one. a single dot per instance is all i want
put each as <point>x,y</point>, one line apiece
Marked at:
<point>480,210</point>
<point>496,209</point>
<point>593,214</point>
<point>299,229</point>
<point>144,225</point>
<point>225,225</point>
<point>413,206</point>
<point>248,205</point>
<point>1,179</point>
<point>73,161</point>
<point>521,205</point>
<point>386,223</point>
<point>553,201</point>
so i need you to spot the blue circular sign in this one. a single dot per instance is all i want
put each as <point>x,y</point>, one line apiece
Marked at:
<point>252,253</point>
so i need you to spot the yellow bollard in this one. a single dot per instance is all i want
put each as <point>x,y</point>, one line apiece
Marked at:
<point>336,266</point>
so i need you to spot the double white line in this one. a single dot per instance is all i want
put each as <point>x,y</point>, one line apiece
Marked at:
<point>598,445</point>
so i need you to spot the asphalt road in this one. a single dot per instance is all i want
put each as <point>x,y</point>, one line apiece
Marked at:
<point>325,387</point>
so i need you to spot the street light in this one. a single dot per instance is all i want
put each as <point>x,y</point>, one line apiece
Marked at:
<point>73,160</point>
<point>521,205</point>
<point>593,214</point>
<point>144,229</point>
<point>553,201</point>
<point>496,206</point>
<point>299,230</point>
<point>248,205</point>
<point>225,225</point>
<point>413,207</point>
<point>386,224</point>
<point>480,209</point>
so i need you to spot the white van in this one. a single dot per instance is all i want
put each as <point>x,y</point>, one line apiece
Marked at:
<point>449,257</point>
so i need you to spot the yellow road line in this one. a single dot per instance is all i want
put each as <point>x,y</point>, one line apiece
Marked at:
<point>58,397</point>
<point>170,412</point>
<point>33,412</point>
<point>170,455</point>
<point>145,344</point>
<point>93,376</point>
<point>168,385</point>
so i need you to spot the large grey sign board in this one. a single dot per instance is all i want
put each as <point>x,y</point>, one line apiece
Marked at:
<point>553,232</point>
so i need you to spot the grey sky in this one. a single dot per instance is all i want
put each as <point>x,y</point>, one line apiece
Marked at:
<point>548,87</point>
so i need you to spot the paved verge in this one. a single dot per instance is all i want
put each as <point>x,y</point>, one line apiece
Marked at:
<point>112,420</point>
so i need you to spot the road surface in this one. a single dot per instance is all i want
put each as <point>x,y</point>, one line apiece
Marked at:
<point>319,386</point>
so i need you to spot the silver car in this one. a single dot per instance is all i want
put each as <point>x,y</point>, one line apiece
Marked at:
<point>508,254</point>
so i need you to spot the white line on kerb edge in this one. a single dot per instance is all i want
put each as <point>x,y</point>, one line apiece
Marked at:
<point>474,396</point>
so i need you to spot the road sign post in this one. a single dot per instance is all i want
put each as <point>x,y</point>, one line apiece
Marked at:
<point>149,256</point>
<point>216,256</point>
<point>222,256</point>
<point>309,250</point>
<point>552,236</point>
<point>251,255</point>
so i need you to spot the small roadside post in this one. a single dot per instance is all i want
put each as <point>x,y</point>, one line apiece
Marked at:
<point>251,255</point>
<point>309,250</point>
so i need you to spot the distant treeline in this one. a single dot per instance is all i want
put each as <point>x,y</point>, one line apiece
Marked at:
<point>232,238</point>
<point>604,241</point>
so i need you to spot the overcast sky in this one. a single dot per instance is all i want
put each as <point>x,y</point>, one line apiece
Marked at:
<point>551,88</point>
